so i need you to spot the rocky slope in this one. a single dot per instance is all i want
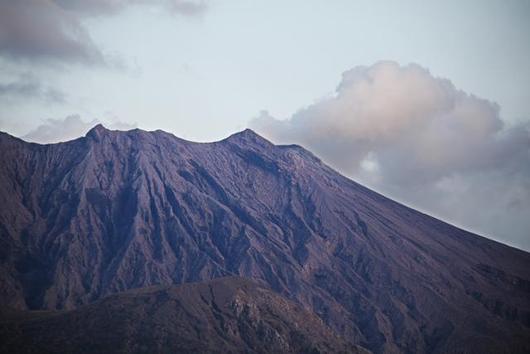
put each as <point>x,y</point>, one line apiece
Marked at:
<point>120,210</point>
<point>227,315</point>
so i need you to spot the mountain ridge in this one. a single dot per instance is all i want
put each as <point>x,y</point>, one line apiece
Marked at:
<point>225,315</point>
<point>119,210</point>
<point>99,129</point>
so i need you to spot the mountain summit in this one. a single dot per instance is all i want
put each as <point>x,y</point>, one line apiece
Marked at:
<point>114,211</point>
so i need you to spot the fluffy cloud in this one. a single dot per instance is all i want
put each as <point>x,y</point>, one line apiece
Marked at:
<point>53,29</point>
<point>71,127</point>
<point>417,138</point>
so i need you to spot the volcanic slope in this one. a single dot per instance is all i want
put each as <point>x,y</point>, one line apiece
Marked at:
<point>115,210</point>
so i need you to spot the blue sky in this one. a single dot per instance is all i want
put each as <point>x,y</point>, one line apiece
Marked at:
<point>205,69</point>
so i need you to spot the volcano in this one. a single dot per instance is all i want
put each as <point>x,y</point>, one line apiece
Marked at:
<point>84,221</point>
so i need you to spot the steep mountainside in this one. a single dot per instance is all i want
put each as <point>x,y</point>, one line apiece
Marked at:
<point>227,315</point>
<point>120,210</point>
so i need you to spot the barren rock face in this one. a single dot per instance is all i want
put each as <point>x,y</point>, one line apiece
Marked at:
<point>226,315</point>
<point>120,210</point>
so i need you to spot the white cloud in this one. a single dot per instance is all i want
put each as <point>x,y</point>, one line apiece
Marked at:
<point>417,138</point>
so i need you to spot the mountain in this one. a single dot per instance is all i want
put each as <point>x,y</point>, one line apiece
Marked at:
<point>114,211</point>
<point>226,315</point>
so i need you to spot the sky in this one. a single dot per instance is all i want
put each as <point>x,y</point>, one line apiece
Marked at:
<point>427,102</point>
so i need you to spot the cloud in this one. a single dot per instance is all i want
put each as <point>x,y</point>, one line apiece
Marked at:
<point>39,30</point>
<point>27,86</point>
<point>190,8</point>
<point>111,7</point>
<point>71,127</point>
<point>420,140</point>
<point>93,7</point>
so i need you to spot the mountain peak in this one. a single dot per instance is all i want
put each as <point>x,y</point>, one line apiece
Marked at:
<point>97,131</point>
<point>247,136</point>
<point>248,132</point>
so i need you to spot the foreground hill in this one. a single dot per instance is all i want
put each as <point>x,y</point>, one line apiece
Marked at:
<point>228,315</point>
<point>120,210</point>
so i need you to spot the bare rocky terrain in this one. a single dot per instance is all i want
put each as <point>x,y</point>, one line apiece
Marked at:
<point>114,211</point>
<point>226,315</point>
